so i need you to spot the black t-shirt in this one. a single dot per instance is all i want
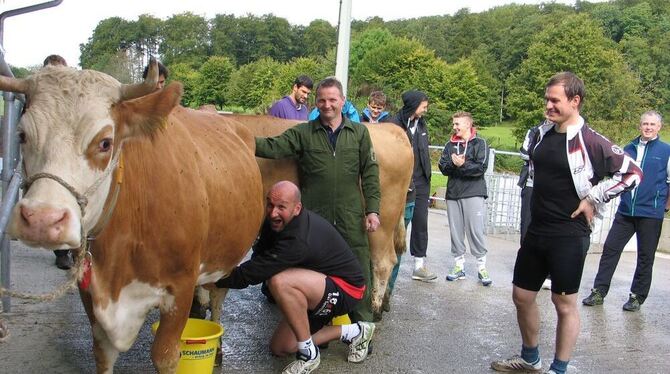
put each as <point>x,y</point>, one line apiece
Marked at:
<point>554,195</point>
<point>308,242</point>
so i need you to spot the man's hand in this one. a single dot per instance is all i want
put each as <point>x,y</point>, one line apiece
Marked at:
<point>458,160</point>
<point>587,208</point>
<point>371,222</point>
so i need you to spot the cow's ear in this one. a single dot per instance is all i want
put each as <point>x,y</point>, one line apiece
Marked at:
<point>146,115</point>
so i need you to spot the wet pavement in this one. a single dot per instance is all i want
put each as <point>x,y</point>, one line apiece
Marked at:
<point>441,327</point>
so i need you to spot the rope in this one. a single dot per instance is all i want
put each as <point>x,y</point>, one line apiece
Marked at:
<point>77,272</point>
<point>75,275</point>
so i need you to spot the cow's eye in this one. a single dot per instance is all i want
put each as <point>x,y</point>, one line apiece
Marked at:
<point>105,145</point>
<point>22,137</point>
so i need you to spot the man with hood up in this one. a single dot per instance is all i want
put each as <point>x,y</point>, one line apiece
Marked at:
<point>410,118</point>
<point>464,160</point>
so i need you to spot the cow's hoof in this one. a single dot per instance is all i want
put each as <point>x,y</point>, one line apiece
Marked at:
<point>376,316</point>
<point>218,359</point>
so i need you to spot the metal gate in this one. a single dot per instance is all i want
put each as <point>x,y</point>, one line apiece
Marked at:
<point>11,178</point>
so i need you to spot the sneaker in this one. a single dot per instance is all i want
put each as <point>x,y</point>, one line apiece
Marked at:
<point>546,285</point>
<point>633,303</point>
<point>516,363</point>
<point>302,364</point>
<point>550,371</point>
<point>595,298</point>
<point>483,276</point>
<point>358,348</point>
<point>457,273</point>
<point>422,274</point>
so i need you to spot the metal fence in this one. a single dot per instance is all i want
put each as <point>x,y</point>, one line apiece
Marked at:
<point>503,206</point>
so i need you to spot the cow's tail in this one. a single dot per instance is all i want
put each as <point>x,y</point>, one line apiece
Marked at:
<point>400,237</point>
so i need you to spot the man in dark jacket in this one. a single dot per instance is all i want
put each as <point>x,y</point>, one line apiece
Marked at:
<point>313,276</point>
<point>410,118</point>
<point>640,212</point>
<point>336,162</point>
<point>464,160</point>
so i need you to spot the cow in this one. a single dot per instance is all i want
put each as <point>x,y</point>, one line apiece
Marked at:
<point>395,158</point>
<point>172,195</point>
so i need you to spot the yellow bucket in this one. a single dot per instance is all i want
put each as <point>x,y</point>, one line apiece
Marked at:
<point>341,320</point>
<point>198,345</point>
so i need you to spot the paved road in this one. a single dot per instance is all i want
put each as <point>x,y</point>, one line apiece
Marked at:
<point>440,327</point>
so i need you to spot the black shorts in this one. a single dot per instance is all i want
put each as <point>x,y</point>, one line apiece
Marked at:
<point>335,302</point>
<point>562,257</point>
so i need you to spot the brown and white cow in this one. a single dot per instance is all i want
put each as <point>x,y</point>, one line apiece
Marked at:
<point>395,158</point>
<point>189,204</point>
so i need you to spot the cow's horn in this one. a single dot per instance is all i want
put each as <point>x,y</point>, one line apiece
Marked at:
<point>13,84</point>
<point>132,91</point>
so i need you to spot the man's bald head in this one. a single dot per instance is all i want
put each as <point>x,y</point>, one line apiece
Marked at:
<point>282,204</point>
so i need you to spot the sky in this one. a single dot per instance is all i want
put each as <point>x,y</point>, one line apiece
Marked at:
<point>29,38</point>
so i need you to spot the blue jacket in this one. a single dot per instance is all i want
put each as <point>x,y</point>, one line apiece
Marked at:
<point>650,197</point>
<point>383,116</point>
<point>349,110</point>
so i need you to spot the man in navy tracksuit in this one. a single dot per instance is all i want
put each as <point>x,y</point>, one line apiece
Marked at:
<point>640,212</point>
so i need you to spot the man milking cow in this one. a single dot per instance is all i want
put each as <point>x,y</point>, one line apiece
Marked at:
<point>312,274</point>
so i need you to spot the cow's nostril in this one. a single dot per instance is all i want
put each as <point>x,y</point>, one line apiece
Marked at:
<point>27,213</point>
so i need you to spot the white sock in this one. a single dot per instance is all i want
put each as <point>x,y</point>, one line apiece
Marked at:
<point>460,261</point>
<point>418,263</point>
<point>481,263</point>
<point>349,332</point>
<point>308,348</point>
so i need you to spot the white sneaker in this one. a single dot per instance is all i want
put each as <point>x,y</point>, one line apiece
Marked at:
<point>516,364</point>
<point>358,348</point>
<point>302,365</point>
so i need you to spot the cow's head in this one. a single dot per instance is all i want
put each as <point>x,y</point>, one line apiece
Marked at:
<point>73,126</point>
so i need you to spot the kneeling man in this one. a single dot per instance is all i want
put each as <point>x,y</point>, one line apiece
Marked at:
<point>312,274</point>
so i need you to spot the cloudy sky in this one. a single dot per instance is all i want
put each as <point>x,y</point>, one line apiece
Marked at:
<point>28,38</point>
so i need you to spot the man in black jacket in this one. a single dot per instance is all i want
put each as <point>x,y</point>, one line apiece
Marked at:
<point>410,118</point>
<point>312,274</point>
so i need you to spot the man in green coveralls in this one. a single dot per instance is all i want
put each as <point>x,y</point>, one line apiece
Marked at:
<point>336,161</point>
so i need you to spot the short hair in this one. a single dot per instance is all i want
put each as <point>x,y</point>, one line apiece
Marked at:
<point>464,115</point>
<point>303,81</point>
<point>162,70</point>
<point>330,82</point>
<point>572,85</point>
<point>652,113</point>
<point>54,60</point>
<point>377,97</point>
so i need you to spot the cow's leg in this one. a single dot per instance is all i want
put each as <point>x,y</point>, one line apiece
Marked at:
<point>383,259</point>
<point>103,350</point>
<point>216,297</point>
<point>173,316</point>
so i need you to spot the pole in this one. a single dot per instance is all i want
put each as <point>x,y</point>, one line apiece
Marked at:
<point>343,39</point>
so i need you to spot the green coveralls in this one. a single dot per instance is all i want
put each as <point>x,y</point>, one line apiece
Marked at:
<point>329,182</point>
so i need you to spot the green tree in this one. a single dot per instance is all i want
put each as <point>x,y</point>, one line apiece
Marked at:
<point>213,77</point>
<point>184,73</point>
<point>319,37</point>
<point>145,42</point>
<point>185,40</point>
<point>249,85</point>
<point>577,44</point>
<point>110,37</point>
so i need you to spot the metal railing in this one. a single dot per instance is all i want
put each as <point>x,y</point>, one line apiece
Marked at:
<point>11,179</point>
